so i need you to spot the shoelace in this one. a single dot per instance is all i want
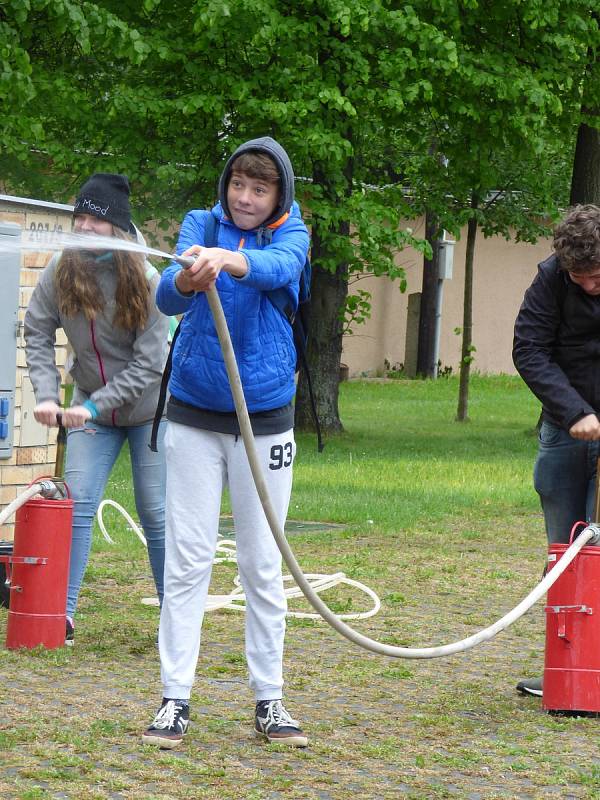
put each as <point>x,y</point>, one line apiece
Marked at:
<point>277,715</point>
<point>166,716</point>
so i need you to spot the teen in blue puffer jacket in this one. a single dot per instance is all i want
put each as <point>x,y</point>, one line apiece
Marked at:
<point>262,245</point>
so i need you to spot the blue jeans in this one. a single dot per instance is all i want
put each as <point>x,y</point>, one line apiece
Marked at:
<point>564,476</point>
<point>91,454</point>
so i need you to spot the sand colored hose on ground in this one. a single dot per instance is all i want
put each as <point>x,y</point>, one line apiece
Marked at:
<point>590,534</point>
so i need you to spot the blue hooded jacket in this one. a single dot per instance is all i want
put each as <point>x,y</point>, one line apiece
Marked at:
<point>261,336</point>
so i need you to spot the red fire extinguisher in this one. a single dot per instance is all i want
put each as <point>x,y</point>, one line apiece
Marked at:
<point>39,574</point>
<point>572,658</point>
<point>39,565</point>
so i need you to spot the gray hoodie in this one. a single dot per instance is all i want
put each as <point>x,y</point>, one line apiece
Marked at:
<point>118,370</point>
<point>273,149</point>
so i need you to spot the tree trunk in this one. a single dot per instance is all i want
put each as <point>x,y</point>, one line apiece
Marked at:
<point>585,182</point>
<point>324,351</point>
<point>426,366</point>
<point>329,291</point>
<point>466,356</point>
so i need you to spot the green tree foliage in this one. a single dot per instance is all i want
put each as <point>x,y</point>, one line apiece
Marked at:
<point>364,94</point>
<point>505,123</point>
<point>59,59</point>
<point>325,78</point>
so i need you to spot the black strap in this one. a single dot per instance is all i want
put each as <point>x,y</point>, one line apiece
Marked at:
<point>313,405</point>
<point>162,395</point>
<point>263,238</point>
<point>211,225</point>
<point>210,240</point>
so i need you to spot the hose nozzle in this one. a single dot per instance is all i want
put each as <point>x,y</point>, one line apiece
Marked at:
<point>185,261</point>
<point>594,527</point>
<point>53,489</point>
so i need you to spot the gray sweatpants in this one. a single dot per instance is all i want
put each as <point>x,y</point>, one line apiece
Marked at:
<point>199,465</point>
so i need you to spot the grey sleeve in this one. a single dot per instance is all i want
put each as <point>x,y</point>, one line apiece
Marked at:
<point>41,322</point>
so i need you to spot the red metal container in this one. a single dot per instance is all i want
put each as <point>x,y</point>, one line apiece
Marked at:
<point>572,660</point>
<point>39,574</point>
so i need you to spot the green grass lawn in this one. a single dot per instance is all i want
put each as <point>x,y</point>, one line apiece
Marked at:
<point>441,520</point>
<point>403,461</point>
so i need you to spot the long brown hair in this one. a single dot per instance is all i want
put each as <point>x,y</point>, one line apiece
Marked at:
<point>78,291</point>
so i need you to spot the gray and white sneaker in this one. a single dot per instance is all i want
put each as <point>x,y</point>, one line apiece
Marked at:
<point>169,725</point>
<point>273,723</point>
<point>532,686</point>
<point>69,632</point>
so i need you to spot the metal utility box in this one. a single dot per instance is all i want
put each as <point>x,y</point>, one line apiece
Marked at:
<point>10,270</point>
<point>446,259</point>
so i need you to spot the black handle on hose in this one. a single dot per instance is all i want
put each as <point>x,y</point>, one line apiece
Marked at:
<point>596,517</point>
<point>61,443</point>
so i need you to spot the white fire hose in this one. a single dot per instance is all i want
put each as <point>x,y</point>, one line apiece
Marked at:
<point>46,487</point>
<point>19,501</point>
<point>590,534</point>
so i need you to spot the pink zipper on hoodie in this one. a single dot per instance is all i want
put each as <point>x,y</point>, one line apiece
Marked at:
<point>100,365</point>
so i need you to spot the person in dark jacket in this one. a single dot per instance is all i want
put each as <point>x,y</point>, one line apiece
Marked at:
<point>104,301</point>
<point>262,246</point>
<point>556,351</point>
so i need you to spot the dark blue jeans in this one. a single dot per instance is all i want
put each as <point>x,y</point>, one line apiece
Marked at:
<point>564,476</point>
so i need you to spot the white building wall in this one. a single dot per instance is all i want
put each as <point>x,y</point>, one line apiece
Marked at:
<point>502,272</point>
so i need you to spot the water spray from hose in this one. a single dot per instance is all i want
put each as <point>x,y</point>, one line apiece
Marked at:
<point>61,240</point>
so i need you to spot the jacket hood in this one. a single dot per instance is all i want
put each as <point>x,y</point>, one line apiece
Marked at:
<point>271,148</point>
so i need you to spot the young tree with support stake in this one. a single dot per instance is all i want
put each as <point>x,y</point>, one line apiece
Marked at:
<point>585,179</point>
<point>505,121</point>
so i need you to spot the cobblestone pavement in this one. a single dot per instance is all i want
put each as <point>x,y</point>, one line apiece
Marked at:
<point>379,728</point>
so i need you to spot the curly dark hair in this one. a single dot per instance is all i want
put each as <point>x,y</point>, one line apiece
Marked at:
<point>577,239</point>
